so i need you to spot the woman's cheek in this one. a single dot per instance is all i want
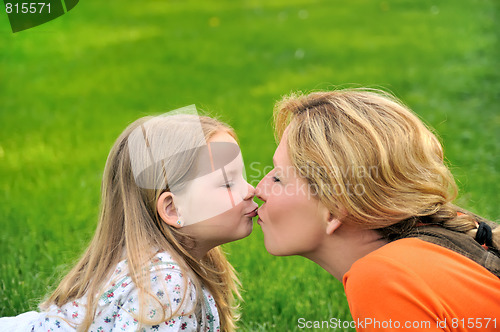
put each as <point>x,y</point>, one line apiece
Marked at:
<point>276,209</point>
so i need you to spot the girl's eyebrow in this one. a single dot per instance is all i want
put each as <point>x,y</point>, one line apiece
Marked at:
<point>232,170</point>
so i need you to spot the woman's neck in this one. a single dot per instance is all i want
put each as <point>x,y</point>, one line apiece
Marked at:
<point>338,251</point>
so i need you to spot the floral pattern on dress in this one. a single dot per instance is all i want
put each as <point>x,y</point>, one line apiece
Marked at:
<point>119,303</point>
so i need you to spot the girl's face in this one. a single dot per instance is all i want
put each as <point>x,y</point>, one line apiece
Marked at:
<point>218,207</point>
<point>292,219</point>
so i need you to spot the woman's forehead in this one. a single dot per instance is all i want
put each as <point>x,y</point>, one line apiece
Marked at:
<point>281,157</point>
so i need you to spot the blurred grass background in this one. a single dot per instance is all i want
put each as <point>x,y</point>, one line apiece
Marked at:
<point>69,87</point>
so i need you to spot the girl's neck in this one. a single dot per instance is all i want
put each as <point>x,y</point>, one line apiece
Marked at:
<point>199,248</point>
<point>198,252</point>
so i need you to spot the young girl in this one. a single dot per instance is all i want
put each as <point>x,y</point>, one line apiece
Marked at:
<point>154,264</point>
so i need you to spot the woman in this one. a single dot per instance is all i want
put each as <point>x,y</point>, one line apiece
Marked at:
<point>172,192</point>
<point>359,187</point>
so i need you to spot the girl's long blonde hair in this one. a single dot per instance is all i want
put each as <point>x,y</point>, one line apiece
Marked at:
<point>367,156</point>
<point>129,227</point>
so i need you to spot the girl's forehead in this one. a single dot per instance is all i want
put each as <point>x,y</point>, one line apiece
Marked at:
<point>215,156</point>
<point>222,136</point>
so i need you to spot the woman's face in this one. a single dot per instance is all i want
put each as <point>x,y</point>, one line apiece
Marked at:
<point>218,207</point>
<point>292,219</point>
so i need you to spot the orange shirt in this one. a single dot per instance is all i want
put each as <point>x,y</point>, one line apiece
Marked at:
<point>416,284</point>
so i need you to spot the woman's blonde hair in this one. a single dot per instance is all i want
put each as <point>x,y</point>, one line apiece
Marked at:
<point>367,156</point>
<point>130,227</point>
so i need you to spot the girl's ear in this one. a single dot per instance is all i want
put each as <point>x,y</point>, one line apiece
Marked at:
<point>167,211</point>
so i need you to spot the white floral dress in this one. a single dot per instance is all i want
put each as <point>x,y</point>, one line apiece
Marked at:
<point>120,301</point>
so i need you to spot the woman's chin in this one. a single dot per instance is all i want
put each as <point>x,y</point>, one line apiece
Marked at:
<point>273,250</point>
<point>277,250</point>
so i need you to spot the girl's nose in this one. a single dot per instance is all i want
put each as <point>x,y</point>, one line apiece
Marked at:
<point>250,192</point>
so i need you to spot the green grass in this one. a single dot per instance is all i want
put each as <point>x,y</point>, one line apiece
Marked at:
<point>69,87</point>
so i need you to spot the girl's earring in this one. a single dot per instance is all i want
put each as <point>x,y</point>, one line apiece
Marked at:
<point>180,223</point>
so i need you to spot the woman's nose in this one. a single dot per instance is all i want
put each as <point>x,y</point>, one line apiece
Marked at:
<point>260,190</point>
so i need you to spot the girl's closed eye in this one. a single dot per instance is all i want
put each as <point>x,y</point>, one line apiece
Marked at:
<point>275,179</point>
<point>228,184</point>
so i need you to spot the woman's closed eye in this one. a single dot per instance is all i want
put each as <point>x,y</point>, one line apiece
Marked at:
<point>275,179</point>
<point>228,185</point>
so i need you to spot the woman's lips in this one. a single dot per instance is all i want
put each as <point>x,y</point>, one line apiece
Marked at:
<point>259,221</point>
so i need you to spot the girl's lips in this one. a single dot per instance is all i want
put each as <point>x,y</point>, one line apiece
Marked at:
<point>252,214</point>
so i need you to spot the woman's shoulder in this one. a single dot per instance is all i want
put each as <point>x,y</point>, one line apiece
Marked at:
<point>386,262</point>
<point>417,262</point>
<point>417,254</point>
<point>411,254</point>
<point>411,278</point>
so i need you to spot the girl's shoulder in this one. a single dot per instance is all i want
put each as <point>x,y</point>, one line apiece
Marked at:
<point>164,273</point>
<point>171,298</point>
<point>164,260</point>
<point>160,261</point>
<point>170,295</point>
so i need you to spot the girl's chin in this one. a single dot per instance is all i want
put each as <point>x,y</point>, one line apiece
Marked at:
<point>245,230</point>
